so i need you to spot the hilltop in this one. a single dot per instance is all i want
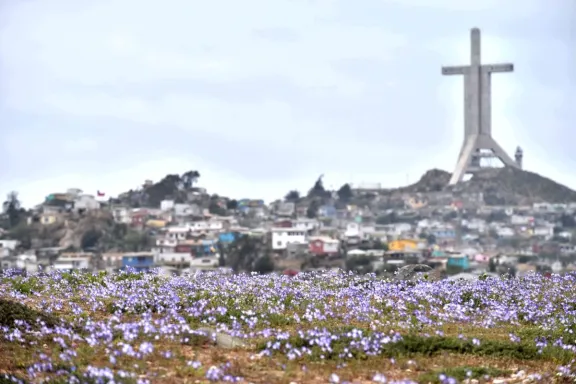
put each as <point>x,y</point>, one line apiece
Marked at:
<point>500,186</point>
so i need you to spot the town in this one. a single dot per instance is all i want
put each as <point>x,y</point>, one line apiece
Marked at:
<point>177,227</point>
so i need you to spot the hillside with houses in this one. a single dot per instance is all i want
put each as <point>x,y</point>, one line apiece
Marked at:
<point>177,226</point>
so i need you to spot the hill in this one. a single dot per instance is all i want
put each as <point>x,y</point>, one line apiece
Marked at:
<point>510,183</point>
<point>499,185</point>
<point>90,230</point>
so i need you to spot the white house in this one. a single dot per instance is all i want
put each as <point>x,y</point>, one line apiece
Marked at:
<point>285,209</point>
<point>215,225</point>
<point>567,249</point>
<point>68,261</point>
<point>24,262</point>
<point>521,220</point>
<point>177,232</point>
<point>112,260</point>
<point>477,225</point>
<point>86,202</point>
<point>74,192</point>
<point>9,244</point>
<point>204,264</point>
<point>166,205</point>
<point>305,224</point>
<point>182,210</point>
<point>122,215</point>
<point>352,230</point>
<point>173,258</point>
<point>505,232</point>
<point>167,242</point>
<point>545,231</point>
<point>399,229</point>
<point>281,237</point>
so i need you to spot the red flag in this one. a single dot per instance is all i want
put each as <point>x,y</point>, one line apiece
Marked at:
<point>100,194</point>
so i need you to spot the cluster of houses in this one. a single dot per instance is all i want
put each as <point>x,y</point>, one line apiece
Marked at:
<point>188,237</point>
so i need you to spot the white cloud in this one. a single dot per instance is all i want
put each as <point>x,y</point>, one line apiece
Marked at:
<point>246,122</point>
<point>81,146</point>
<point>181,40</point>
<point>215,41</point>
<point>520,7</point>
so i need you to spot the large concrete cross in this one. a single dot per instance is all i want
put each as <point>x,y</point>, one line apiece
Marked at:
<point>477,111</point>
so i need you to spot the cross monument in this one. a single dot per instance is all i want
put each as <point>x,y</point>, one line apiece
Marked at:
<point>478,141</point>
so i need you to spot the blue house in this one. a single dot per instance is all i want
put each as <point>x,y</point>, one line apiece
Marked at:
<point>228,237</point>
<point>205,248</point>
<point>438,253</point>
<point>460,261</point>
<point>327,211</point>
<point>444,234</point>
<point>140,262</point>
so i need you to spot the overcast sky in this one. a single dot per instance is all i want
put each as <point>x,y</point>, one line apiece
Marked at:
<point>263,96</point>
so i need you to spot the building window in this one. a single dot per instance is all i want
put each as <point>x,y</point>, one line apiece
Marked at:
<point>279,243</point>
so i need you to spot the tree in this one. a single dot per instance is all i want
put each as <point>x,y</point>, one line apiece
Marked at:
<point>318,188</point>
<point>168,188</point>
<point>453,270</point>
<point>293,196</point>
<point>492,265</point>
<point>560,239</point>
<point>216,209</point>
<point>119,230</point>
<point>390,218</point>
<point>345,192</point>
<point>90,238</point>
<point>232,205</point>
<point>497,217</point>
<point>13,209</point>
<point>312,211</point>
<point>221,254</point>
<point>360,264</point>
<point>24,234</point>
<point>380,245</point>
<point>264,264</point>
<point>524,259</point>
<point>135,241</point>
<point>189,179</point>
<point>568,221</point>
<point>243,252</point>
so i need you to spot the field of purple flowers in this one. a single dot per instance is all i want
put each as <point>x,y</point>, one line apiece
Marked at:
<point>312,328</point>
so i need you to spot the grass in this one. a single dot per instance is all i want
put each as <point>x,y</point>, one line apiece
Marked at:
<point>304,330</point>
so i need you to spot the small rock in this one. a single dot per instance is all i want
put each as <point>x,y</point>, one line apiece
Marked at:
<point>499,381</point>
<point>223,340</point>
<point>414,272</point>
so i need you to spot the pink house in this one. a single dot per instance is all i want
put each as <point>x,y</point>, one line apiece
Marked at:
<point>481,258</point>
